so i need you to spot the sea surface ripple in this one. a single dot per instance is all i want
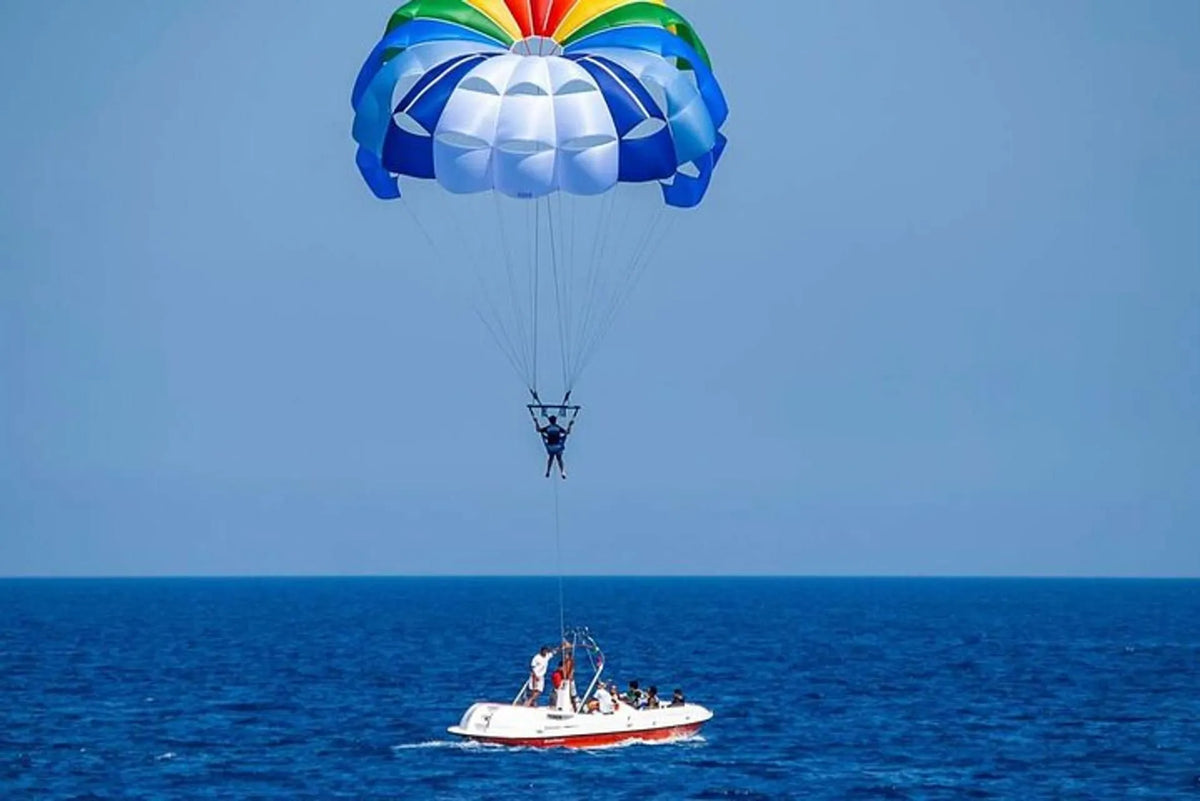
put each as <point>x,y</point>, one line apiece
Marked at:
<point>822,688</point>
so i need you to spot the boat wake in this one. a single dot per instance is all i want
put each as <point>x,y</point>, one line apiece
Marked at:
<point>430,744</point>
<point>687,739</point>
<point>468,745</point>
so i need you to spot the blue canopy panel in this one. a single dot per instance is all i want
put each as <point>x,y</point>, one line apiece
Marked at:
<point>686,191</point>
<point>410,152</point>
<point>375,106</point>
<point>665,44</point>
<point>382,183</point>
<point>645,158</point>
<point>417,31</point>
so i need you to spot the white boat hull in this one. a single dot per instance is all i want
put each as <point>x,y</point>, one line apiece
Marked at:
<point>543,727</point>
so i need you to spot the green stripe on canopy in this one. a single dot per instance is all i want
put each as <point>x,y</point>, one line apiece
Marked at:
<point>454,11</point>
<point>644,14</point>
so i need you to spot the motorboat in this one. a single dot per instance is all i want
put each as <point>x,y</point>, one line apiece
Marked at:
<point>593,719</point>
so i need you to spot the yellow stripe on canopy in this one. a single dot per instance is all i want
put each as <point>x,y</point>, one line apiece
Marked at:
<point>587,10</point>
<point>498,13</point>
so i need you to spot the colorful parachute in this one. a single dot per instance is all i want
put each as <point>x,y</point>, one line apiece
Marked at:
<point>530,97</point>
<point>558,113</point>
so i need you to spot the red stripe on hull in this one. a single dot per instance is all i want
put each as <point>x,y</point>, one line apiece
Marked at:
<point>593,740</point>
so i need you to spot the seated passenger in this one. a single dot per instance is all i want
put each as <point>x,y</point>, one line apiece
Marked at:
<point>677,698</point>
<point>604,701</point>
<point>652,698</point>
<point>633,696</point>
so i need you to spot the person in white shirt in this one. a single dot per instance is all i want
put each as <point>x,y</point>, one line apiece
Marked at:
<point>604,700</point>
<point>537,674</point>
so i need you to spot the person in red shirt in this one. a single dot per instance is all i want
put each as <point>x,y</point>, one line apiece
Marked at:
<point>556,681</point>
<point>568,669</point>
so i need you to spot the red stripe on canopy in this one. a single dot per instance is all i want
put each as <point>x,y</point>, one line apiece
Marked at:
<point>523,13</point>
<point>541,14</point>
<point>558,12</point>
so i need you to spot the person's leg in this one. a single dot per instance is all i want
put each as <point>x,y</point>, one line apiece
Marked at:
<point>561,468</point>
<point>549,464</point>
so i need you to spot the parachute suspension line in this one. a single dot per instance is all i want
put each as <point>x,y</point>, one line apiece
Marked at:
<point>496,325</point>
<point>579,284</point>
<point>606,205</point>
<point>420,226</point>
<point>633,277</point>
<point>603,292</point>
<point>500,336</point>
<point>648,247</point>
<point>518,310</point>
<point>572,275</point>
<point>512,360</point>
<point>562,615</point>
<point>567,268</point>
<point>591,280</point>
<point>574,206</point>
<point>534,287</point>
<point>506,339</point>
<point>559,291</point>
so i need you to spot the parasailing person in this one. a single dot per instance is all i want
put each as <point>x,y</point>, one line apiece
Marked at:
<point>554,437</point>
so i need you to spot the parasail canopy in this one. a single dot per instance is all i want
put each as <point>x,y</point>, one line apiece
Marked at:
<point>537,101</point>
<point>531,97</point>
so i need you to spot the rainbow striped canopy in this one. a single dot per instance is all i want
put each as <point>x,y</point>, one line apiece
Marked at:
<point>532,97</point>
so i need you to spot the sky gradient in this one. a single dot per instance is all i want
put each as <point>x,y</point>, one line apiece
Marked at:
<point>940,313</point>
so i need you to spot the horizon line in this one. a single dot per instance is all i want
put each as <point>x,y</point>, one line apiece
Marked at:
<point>648,576</point>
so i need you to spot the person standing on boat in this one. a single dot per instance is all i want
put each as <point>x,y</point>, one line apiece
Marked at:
<point>537,674</point>
<point>568,666</point>
<point>557,686</point>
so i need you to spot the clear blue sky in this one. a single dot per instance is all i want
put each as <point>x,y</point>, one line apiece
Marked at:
<point>940,314</point>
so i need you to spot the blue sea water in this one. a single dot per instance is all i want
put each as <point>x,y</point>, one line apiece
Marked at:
<point>822,688</point>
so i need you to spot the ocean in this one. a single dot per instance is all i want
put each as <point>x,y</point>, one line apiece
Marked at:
<point>822,688</point>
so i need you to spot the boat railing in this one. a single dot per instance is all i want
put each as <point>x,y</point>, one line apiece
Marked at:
<point>580,639</point>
